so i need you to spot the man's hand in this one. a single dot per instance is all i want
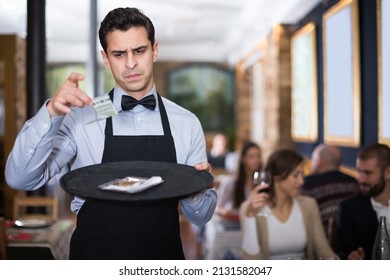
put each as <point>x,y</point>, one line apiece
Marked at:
<point>357,255</point>
<point>203,166</point>
<point>67,96</point>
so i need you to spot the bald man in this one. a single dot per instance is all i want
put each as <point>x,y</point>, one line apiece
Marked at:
<point>325,158</point>
<point>327,184</point>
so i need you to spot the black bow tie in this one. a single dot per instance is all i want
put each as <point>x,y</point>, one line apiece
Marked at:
<point>129,102</point>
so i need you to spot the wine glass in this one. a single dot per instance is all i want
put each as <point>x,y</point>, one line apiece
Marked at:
<point>262,178</point>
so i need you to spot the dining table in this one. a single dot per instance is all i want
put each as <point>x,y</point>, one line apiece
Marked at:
<point>49,242</point>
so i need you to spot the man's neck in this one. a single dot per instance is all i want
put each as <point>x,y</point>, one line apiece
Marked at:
<point>325,170</point>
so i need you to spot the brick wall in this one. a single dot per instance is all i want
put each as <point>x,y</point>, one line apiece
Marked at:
<point>275,94</point>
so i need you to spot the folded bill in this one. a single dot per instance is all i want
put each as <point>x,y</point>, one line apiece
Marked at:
<point>131,184</point>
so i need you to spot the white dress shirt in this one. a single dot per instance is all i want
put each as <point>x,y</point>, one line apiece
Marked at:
<point>382,210</point>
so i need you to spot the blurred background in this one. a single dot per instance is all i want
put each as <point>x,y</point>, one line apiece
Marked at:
<point>285,73</point>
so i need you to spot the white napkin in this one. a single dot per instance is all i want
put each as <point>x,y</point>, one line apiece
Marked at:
<point>136,184</point>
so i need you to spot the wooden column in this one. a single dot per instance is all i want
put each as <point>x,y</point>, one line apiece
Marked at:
<point>13,107</point>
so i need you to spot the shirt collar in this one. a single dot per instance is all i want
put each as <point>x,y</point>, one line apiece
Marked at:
<point>118,92</point>
<point>375,203</point>
<point>380,209</point>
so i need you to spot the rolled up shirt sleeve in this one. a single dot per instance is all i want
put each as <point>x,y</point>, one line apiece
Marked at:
<point>199,209</point>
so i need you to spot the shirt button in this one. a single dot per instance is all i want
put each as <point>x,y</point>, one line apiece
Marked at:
<point>196,212</point>
<point>138,119</point>
<point>45,125</point>
<point>31,151</point>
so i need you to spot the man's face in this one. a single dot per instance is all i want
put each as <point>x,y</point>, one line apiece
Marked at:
<point>130,57</point>
<point>370,177</point>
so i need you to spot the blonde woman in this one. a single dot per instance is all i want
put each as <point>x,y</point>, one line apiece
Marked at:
<point>280,223</point>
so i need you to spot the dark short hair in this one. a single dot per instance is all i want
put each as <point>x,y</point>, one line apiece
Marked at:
<point>123,19</point>
<point>380,152</point>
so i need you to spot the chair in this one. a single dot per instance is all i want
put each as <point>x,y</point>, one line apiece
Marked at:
<point>21,201</point>
<point>2,239</point>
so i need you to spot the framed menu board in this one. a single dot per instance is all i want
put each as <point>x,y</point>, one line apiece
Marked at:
<point>341,74</point>
<point>383,12</point>
<point>304,103</point>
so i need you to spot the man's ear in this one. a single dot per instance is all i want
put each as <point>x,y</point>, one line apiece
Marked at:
<point>105,59</point>
<point>155,51</point>
<point>387,174</point>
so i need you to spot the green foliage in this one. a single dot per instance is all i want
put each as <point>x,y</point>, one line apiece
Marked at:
<point>206,91</point>
<point>57,74</point>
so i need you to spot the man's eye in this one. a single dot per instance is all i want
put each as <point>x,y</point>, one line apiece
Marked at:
<point>140,51</point>
<point>118,54</point>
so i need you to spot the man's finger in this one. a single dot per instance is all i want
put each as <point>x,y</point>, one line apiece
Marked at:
<point>83,97</point>
<point>203,166</point>
<point>74,78</point>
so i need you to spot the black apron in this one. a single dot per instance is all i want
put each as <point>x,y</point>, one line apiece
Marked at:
<point>122,230</point>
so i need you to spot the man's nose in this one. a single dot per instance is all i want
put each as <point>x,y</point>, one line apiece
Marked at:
<point>131,62</point>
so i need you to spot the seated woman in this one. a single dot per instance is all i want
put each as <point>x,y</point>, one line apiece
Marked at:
<point>282,224</point>
<point>234,189</point>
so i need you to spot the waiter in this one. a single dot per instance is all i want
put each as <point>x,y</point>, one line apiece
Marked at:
<point>147,127</point>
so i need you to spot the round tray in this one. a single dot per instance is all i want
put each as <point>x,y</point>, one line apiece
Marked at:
<point>179,180</point>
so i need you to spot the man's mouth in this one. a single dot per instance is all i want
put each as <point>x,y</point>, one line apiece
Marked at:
<point>132,76</point>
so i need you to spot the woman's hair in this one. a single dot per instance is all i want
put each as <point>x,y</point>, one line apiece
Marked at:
<point>279,166</point>
<point>123,19</point>
<point>239,187</point>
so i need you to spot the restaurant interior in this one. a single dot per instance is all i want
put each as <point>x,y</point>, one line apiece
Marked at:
<point>284,74</point>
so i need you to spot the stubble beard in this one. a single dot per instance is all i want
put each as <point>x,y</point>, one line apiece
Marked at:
<point>376,189</point>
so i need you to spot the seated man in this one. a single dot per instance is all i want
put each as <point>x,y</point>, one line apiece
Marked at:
<point>357,217</point>
<point>327,184</point>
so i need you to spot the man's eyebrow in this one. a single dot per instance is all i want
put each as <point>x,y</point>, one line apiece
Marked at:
<point>117,52</point>
<point>140,48</point>
<point>135,49</point>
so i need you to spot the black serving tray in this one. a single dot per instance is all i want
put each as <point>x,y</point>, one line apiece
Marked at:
<point>180,180</point>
